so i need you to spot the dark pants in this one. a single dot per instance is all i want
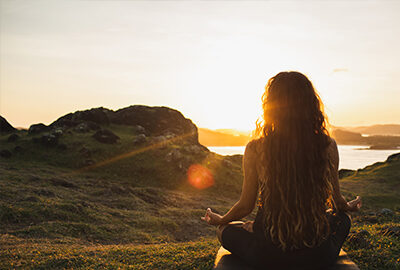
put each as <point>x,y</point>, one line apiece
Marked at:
<point>258,252</point>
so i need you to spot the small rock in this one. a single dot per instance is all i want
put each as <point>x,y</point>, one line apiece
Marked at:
<point>12,138</point>
<point>49,140</point>
<point>174,155</point>
<point>85,152</point>
<point>62,146</point>
<point>386,211</point>
<point>88,162</point>
<point>138,129</point>
<point>227,163</point>
<point>371,219</point>
<point>105,136</point>
<point>159,139</point>
<point>86,127</point>
<point>57,132</point>
<point>139,139</point>
<point>18,149</point>
<point>5,153</point>
<point>62,182</point>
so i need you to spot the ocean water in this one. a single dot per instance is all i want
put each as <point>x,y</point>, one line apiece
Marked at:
<point>351,156</point>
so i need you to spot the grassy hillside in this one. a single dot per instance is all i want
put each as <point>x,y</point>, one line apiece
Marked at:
<point>85,204</point>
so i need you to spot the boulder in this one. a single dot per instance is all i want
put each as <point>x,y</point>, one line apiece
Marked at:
<point>5,153</point>
<point>105,136</point>
<point>49,140</point>
<point>386,212</point>
<point>38,128</point>
<point>18,149</point>
<point>138,129</point>
<point>345,172</point>
<point>85,152</point>
<point>12,138</point>
<point>5,127</point>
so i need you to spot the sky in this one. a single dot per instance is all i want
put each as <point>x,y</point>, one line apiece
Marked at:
<point>208,59</point>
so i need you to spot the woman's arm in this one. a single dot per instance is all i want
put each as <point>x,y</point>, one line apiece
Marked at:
<point>248,197</point>
<point>340,201</point>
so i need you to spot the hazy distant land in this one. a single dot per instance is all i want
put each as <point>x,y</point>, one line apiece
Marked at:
<point>376,136</point>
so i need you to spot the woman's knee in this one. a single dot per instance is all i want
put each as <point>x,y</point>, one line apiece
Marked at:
<point>222,227</point>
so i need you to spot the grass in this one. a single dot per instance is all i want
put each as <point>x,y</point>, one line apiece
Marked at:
<point>39,254</point>
<point>140,211</point>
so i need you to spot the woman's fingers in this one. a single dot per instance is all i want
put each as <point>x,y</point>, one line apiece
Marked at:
<point>355,204</point>
<point>207,216</point>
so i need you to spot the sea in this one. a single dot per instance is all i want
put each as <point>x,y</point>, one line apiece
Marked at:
<point>351,157</point>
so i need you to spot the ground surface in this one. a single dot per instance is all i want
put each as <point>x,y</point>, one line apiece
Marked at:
<point>133,206</point>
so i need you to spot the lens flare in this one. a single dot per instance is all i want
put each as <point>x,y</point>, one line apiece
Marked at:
<point>200,177</point>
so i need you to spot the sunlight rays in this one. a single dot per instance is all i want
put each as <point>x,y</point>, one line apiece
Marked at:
<point>132,153</point>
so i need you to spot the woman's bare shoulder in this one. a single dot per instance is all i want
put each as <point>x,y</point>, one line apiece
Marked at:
<point>254,143</point>
<point>332,144</point>
<point>253,147</point>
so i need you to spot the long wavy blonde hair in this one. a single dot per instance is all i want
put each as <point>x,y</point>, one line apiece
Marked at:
<point>295,186</point>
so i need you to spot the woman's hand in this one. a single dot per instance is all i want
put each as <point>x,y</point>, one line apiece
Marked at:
<point>354,205</point>
<point>212,218</point>
<point>248,226</point>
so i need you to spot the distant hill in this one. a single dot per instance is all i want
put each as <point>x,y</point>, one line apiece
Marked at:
<point>234,131</point>
<point>374,141</point>
<point>387,130</point>
<point>223,137</point>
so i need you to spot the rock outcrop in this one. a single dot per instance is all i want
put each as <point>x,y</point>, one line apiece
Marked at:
<point>156,122</point>
<point>5,127</point>
<point>98,116</point>
<point>38,128</point>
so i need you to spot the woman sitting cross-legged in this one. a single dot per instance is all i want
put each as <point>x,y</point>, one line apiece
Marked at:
<point>292,169</point>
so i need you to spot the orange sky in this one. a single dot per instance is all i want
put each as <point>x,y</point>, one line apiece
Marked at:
<point>208,59</point>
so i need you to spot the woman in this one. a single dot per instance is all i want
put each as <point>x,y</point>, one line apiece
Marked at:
<point>292,168</point>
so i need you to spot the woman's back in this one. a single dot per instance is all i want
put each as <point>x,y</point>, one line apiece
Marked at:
<point>292,169</point>
<point>292,162</point>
